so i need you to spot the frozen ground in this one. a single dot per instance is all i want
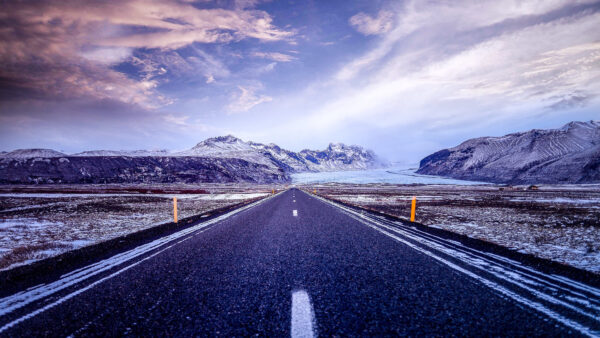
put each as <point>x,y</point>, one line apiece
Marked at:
<point>560,223</point>
<point>394,175</point>
<point>39,222</point>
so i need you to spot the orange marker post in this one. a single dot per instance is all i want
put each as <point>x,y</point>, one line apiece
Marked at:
<point>413,208</point>
<point>273,192</point>
<point>315,191</point>
<point>175,209</point>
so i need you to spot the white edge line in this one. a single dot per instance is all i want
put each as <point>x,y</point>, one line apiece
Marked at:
<point>24,298</point>
<point>534,305</point>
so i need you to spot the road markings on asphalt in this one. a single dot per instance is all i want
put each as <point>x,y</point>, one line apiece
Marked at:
<point>294,201</point>
<point>295,212</point>
<point>302,316</point>
<point>13,302</point>
<point>403,236</point>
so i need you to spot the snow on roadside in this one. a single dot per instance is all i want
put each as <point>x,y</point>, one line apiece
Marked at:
<point>35,226</point>
<point>559,224</point>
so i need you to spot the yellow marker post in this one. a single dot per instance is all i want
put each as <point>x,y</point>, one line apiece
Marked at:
<point>273,192</point>
<point>315,191</point>
<point>175,209</point>
<point>413,209</point>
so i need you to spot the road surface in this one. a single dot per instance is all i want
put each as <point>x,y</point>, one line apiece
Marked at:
<point>295,264</point>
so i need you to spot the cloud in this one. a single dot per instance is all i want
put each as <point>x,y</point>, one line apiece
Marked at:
<point>156,63</point>
<point>64,50</point>
<point>177,120</point>
<point>569,101</point>
<point>368,25</point>
<point>461,63</point>
<point>245,4</point>
<point>279,57</point>
<point>107,55</point>
<point>424,27</point>
<point>246,99</point>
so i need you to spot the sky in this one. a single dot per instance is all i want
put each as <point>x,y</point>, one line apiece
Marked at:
<point>403,78</point>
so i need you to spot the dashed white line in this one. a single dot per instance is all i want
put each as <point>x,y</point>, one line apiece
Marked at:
<point>302,316</point>
<point>295,212</point>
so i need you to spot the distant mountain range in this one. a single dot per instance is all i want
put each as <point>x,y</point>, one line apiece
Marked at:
<point>218,159</point>
<point>570,154</point>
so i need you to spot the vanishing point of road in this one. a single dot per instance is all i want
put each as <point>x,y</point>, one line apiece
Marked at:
<point>297,265</point>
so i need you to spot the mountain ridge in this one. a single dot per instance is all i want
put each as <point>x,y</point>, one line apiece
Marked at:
<point>569,154</point>
<point>270,162</point>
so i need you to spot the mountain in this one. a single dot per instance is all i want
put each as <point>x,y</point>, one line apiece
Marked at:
<point>32,153</point>
<point>133,153</point>
<point>219,159</point>
<point>570,154</point>
<point>335,157</point>
<point>127,169</point>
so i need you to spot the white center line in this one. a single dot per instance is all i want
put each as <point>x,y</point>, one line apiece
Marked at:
<point>302,315</point>
<point>294,201</point>
<point>295,212</point>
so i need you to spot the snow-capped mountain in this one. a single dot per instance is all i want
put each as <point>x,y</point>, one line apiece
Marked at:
<point>218,159</point>
<point>340,156</point>
<point>132,153</point>
<point>334,157</point>
<point>570,154</point>
<point>33,153</point>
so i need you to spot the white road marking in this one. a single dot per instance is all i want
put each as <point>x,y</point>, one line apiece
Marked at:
<point>302,316</point>
<point>294,201</point>
<point>295,212</point>
<point>11,303</point>
<point>400,235</point>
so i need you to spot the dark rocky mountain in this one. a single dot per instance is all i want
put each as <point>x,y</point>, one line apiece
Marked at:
<point>218,159</point>
<point>124,169</point>
<point>30,153</point>
<point>570,154</point>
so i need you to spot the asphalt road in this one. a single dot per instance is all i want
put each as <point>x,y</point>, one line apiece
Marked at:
<point>323,270</point>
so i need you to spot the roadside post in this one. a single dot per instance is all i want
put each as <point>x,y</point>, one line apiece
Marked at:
<point>175,209</point>
<point>413,209</point>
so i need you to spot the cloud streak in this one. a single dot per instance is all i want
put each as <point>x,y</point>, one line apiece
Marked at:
<point>246,99</point>
<point>368,25</point>
<point>279,57</point>
<point>504,57</point>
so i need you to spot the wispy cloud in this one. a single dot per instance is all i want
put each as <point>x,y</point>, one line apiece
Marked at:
<point>279,57</point>
<point>460,61</point>
<point>369,25</point>
<point>246,99</point>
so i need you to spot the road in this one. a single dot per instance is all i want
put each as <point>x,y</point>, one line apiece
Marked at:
<point>295,264</point>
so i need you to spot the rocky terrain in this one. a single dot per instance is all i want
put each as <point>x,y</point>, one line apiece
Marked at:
<point>218,160</point>
<point>570,154</point>
<point>126,169</point>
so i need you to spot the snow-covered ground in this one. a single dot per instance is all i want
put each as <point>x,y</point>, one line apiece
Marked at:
<point>394,175</point>
<point>560,223</point>
<point>34,226</point>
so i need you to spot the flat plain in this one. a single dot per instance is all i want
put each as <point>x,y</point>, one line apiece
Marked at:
<point>38,222</point>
